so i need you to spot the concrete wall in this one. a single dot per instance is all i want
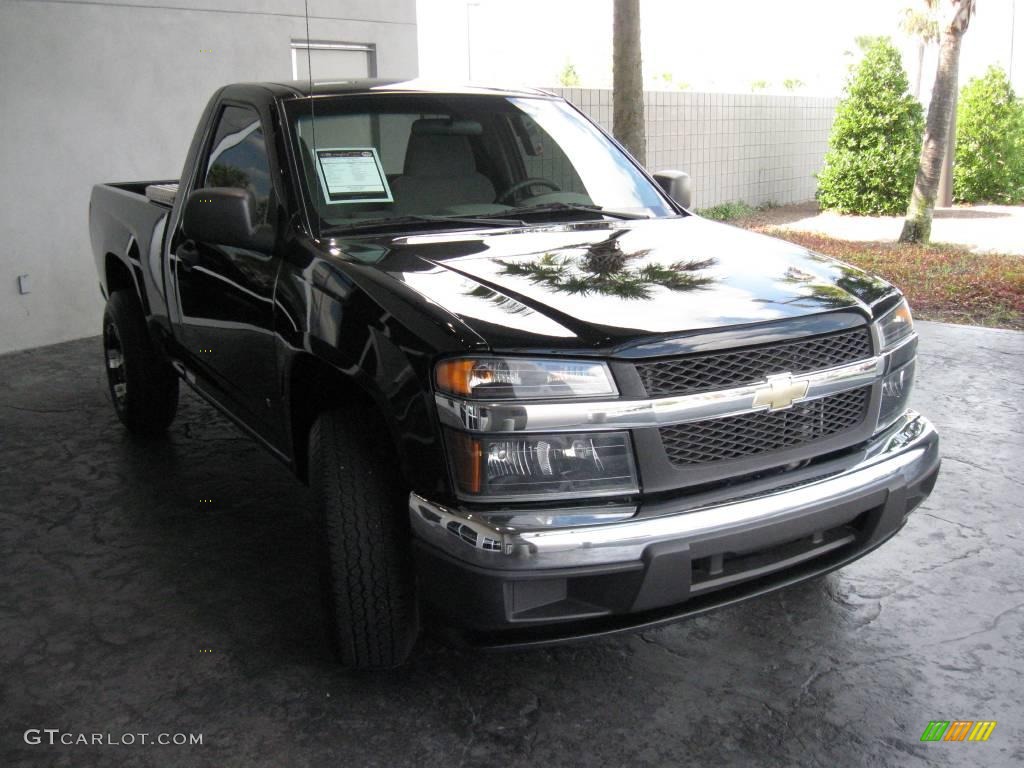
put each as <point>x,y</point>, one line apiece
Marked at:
<point>111,91</point>
<point>754,148</point>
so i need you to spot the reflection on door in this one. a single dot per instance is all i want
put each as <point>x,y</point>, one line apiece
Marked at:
<point>227,294</point>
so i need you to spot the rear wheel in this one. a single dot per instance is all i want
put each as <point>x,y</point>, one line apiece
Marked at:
<point>366,554</point>
<point>143,387</point>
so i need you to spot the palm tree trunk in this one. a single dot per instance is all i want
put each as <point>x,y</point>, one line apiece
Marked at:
<point>917,228</point>
<point>920,68</point>
<point>628,124</point>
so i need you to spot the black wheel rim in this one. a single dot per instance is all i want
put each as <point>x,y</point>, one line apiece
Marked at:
<point>114,358</point>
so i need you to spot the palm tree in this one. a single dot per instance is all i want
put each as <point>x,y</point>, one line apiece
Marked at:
<point>920,23</point>
<point>628,124</point>
<point>918,225</point>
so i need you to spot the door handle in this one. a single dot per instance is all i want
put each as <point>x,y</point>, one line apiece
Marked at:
<point>188,255</point>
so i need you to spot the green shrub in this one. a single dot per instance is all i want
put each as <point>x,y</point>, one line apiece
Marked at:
<point>727,211</point>
<point>989,141</point>
<point>876,138</point>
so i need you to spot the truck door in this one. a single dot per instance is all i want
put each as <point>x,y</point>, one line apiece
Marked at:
<point>226,294</point>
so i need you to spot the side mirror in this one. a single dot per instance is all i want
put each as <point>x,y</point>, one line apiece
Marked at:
<point>223,216</point>
<point>677,185</point>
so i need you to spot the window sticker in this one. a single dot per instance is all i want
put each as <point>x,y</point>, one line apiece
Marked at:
<point>352,175</point>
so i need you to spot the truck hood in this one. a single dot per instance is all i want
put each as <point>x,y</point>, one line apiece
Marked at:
<point>600,284</point>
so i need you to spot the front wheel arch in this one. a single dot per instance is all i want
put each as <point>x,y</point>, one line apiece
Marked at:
<point>315,387</point>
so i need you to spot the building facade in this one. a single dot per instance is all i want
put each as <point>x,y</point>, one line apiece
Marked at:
<point>111,91</point>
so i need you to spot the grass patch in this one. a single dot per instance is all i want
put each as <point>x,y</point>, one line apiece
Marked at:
<point>942,282</point>
<point>727,211</point>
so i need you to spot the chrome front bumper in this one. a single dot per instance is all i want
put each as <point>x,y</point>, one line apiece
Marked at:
<point>904,457</point>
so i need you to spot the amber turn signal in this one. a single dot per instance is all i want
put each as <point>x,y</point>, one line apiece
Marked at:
<point>454,376</point>
<point>512,378</point>
<point>896,325</point>
<point>902,314</point>
<point>466,456</point>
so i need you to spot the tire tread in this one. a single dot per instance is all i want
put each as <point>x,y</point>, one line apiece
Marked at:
<point>370,595</point>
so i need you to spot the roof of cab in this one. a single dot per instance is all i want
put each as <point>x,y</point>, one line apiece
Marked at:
<point>302,88</point>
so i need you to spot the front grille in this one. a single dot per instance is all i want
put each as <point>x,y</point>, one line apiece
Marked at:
<point>719,370</point>
<point>736,437</point>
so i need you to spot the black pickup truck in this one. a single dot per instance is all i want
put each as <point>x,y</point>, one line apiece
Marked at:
<point>537,398</point>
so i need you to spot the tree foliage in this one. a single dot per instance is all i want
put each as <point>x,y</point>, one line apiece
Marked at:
<point>989,141</point>
<point>873,149</point>
<point>569,77</point>
<point>920,22</point>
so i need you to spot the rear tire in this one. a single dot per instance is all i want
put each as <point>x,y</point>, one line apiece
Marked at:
<point>366,561</point>
<point>143,387</point>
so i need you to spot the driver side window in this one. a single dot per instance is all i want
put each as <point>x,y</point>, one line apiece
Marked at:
<point>238,157</point>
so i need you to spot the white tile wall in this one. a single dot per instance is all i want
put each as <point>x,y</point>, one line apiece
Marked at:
<point>750,147</point>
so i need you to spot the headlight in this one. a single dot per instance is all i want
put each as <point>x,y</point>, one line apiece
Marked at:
<point>896,389</point>
<point>895,325</point>
<point>510,378</point>
<point>559,465</point>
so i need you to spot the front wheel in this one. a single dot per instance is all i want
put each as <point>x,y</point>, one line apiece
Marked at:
<point>143,387</point>
<point>366,559</point>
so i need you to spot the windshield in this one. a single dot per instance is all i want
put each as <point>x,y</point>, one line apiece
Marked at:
<point>373,158</point>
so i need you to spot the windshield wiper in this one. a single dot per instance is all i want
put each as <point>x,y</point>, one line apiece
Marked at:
<point>558,207</point>
<point>401,222</point>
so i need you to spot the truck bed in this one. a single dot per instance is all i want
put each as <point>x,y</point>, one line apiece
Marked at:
<point>159,192</point>
<point>127,221</point>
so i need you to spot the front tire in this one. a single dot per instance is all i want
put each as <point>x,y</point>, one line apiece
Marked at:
<point>366,558</point>
<point>143,387</point>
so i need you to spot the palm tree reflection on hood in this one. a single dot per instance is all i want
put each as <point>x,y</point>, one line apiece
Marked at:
<point>604,268</point>
<point>838,291</point>
<point>814,289</point>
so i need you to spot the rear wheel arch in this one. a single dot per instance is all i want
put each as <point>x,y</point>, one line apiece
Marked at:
<point>119,275</point>
<point>143,388</point>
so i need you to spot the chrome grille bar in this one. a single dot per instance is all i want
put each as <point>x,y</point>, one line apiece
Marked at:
<point>568,416</point>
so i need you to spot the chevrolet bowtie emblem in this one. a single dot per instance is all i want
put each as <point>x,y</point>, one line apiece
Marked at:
<point>780,392</point>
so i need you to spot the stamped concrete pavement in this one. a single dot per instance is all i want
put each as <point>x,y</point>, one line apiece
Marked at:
<point>130,605</point>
